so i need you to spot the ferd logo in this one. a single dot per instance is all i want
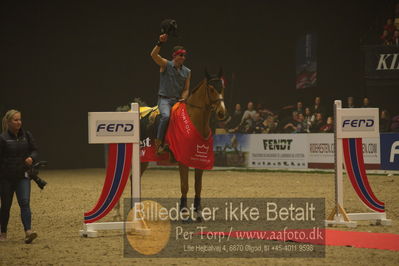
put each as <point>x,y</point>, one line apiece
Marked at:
<point>277,144</point>
<point>358,123</point>
<point>114,128</point>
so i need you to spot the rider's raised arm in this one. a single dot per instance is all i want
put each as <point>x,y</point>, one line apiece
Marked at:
<point>155,52</point>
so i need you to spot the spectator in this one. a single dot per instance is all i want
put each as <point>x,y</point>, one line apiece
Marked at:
<point>350,103</point>
<point>395,124</point>
<point>385,121</point>
<point>390,27</point>
<point>395,39</point>
<point>317,107</point>
<point>234,120</point>
<point>250,112</point>
<point>247,124</point>
<point>258,126</point>
<point>300,125</point>
<point>299,107</point>
<point>308,120</point>
<point>290,126</point>
<point>18,152</point>
<point>276,120</point>
<point>264,113</point>
<point>366,103</point>
<point>269,125</point>
<point>386,38</point>
<point>317,124</point>
<point>247,121</point>
<point>329,127</point>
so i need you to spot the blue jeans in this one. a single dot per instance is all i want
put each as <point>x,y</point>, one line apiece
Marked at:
<point>22,189</point>
<point>164,104</point>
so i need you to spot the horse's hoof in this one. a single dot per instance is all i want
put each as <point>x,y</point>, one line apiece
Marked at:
<point>187,221</point>
<point>197,204</point>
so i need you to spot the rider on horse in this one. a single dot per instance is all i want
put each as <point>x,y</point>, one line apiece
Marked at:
<point>173,86</point>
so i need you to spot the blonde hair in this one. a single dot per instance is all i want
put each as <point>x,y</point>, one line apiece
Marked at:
<point>7,118</point>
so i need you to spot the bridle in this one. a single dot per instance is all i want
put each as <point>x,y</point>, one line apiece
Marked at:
<point>215,83</point>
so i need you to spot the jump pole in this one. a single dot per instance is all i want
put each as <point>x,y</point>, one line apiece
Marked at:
<point>91,229</point>
<point>347,125</point>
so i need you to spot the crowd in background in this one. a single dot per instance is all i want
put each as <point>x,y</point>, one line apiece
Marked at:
<point>298,118</point>
<point>390,33</point>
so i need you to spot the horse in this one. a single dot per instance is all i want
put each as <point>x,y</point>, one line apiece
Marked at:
<point>205,99</point>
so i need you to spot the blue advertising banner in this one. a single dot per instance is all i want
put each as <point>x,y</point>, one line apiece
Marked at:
<point>389,151</point>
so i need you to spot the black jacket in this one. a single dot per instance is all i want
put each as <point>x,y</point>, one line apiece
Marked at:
<point>13,152</point>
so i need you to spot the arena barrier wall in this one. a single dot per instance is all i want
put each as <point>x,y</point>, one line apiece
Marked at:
<point>289,151</point>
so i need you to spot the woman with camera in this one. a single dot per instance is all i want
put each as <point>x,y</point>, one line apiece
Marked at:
<point>18,151</point>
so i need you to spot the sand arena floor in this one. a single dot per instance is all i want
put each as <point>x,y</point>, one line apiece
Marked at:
<point>58,213</point>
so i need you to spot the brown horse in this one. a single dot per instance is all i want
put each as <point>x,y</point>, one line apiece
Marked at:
<point>205,99</point>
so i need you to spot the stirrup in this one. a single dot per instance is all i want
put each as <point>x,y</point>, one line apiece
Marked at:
<point>160,150</point>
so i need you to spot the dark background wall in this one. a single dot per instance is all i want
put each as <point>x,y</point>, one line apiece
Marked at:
<point>62,59</point>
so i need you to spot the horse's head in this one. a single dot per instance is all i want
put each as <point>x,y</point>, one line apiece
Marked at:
<point>215,92</point>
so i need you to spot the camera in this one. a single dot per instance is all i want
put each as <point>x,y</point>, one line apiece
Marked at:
<point>34,171</point>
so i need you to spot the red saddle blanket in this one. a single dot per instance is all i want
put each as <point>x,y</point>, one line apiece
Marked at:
<point>148,152</point>
<point>186,143</point>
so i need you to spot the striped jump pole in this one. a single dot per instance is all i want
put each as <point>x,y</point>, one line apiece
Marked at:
<point>351,125</point>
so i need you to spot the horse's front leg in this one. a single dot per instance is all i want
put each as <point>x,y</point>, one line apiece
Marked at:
<point>143,167</point>
<point>183,185</point>
<point>198,188</point>
<point>198,182</point>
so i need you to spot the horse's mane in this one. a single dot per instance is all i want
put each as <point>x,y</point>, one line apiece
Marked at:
<point>198,86</point>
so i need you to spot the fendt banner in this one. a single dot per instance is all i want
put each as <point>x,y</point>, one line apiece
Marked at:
<point>278,151</point>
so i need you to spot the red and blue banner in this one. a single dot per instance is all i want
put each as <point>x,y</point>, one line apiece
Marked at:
<point>354,165</point>
<point>118,171</point>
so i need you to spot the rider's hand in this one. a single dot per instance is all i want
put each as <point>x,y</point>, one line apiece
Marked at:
<point>29,161</point>
<point>163,38</point>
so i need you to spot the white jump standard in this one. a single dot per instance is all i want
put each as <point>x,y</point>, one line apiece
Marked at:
<point>121,130</point>
<point>351,125</point>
